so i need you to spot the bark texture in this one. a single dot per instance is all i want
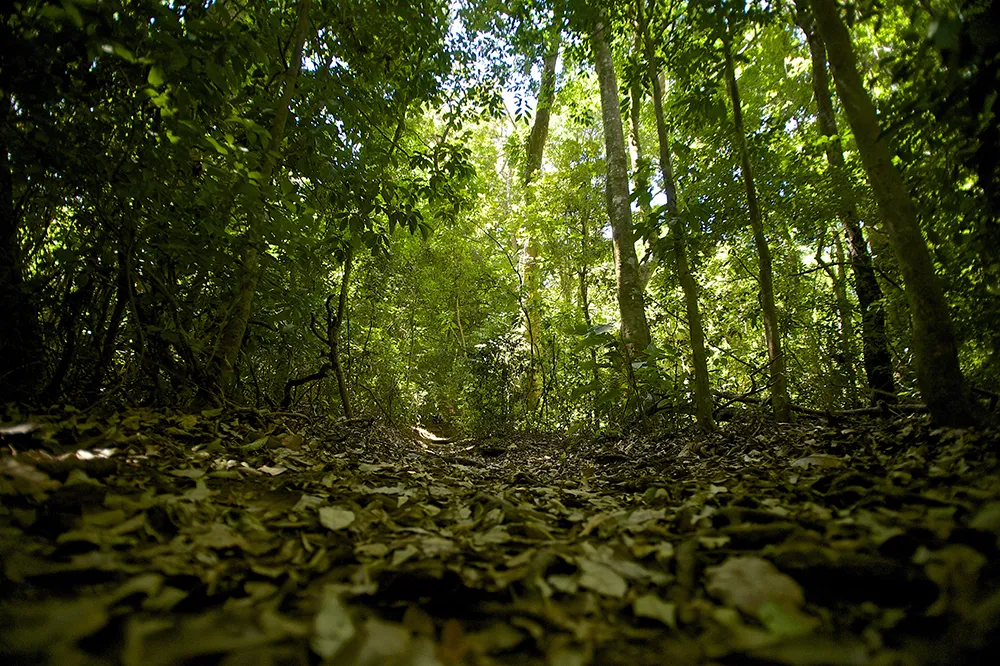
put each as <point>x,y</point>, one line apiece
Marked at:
<point>704,404</point>
<point>875,342</point>
<point>222,369</point>
<point>934,346</point>
<point>635,329</point>
<point>772,334</point>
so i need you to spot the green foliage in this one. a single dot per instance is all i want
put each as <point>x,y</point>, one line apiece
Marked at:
<point>137,131</point>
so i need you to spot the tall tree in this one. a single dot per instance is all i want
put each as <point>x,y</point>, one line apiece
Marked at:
<point>635,329</point>
<point>779,382</point>
<point>533,164</point>
<point>935,349</point>
<point>18,341</point>
<point>546,97</point>
<point>223,364</point>
<point>875,343</point>
<point>643,192</point>
<point>699,357</point>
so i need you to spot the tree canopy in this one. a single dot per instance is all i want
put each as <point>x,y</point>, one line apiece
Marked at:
<point>534,214</point>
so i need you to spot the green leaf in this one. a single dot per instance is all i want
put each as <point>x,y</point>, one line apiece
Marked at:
<point>219,148</point>
<point>122,52</point>
<point>586,388</point>
<point>155,77</point>
<point>74,14</point>
<point>53,13</point>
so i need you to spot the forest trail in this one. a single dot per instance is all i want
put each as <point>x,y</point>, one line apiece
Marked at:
<point>242,538</point>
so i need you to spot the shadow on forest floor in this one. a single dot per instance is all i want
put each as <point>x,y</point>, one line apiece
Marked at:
<point>151,538</point>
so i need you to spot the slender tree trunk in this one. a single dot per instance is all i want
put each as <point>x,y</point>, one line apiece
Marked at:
<point>71,323</point>
<point>635,329</point>
<point>546,97</point>
<point>222,370</point>
<point>126,278</point>
<point>533,164</point>
<point>847,352</point>
<point>640,168</point>
<point>779,383</point>
<point>585,301</point>
<point>699,356</point>
<point>935,349</point>
<point>333,335</point>
<point>335,323</point>
<point>644,194</point>
<point>19,332</point>
<point>875,342</point>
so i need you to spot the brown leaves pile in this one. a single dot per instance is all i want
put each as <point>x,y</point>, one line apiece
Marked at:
<point>157,538</point>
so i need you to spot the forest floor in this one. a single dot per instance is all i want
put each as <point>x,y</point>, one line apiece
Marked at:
<point>148,538</point>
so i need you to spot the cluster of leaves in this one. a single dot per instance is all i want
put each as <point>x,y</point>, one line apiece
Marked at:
<point>155,537</point>
<point>136,134</point>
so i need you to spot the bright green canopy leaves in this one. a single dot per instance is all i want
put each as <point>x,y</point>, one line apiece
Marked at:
<point>138,135</point>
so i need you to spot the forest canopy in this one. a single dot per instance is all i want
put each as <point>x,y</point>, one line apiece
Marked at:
<point>552,214</point>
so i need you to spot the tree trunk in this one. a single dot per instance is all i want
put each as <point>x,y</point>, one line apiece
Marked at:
<point>19,332</point>
<point>533,164</point>
<point>333,335</point>
<point>650,261</point>
<point>546,97</point>
<point>779,383</point>
<point>635,329</point>
<point>585,303</point>
<point>123,287</point>
<point>640,167</point>
<point>702,384</point>
<point>847,351</point>
<point>935,349</point>
<point>222,370</point>
<point>875,342</point>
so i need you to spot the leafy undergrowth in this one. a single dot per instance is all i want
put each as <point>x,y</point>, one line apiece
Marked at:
<point>151,538</point>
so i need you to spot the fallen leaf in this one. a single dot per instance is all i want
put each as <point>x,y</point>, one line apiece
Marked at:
<point>955,569</point>
<point>820,460</point>
<point>335,518</point>
<point>747,583</point>
<point>652,606</point>
<point>602,579</point>
<point>332,625</point>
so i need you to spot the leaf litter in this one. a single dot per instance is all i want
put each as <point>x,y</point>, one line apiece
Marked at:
<point>156,538</point>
